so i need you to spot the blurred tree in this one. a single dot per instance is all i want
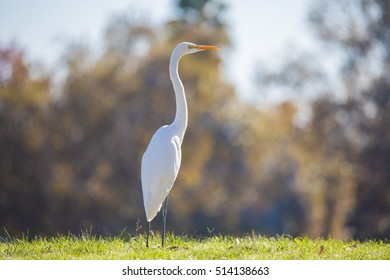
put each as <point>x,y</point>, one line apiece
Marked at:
<point>96,132</point>
<point>208,12</point>
<point>23,154</point>
<point>342,150</point>
<point>204,15</point>
<point>317,144</point>
<point>362,35</point>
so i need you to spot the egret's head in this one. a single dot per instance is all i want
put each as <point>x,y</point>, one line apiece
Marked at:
<point>187,48</point>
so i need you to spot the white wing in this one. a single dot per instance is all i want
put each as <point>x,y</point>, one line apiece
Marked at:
<point>159,169</point>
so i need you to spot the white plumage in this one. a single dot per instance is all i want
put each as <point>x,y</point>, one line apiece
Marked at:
<point>160,166</point>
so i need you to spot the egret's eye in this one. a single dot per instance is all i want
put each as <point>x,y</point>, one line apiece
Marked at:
<point>191,46</point>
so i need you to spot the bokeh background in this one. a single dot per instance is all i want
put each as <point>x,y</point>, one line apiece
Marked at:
<point>293,140</point>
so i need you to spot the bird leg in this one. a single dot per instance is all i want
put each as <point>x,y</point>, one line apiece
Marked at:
<point>164,216</point>
<point>147,235</point>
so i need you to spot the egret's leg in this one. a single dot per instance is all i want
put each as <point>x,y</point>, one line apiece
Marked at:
<point>164,216</point>
<point>147,235</point>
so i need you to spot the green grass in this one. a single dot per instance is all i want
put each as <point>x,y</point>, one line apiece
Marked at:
<point>185,247</point>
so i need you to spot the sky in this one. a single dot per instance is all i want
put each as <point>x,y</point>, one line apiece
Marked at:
<point>261,30</point>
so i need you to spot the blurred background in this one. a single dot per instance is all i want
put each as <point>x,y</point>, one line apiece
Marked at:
<point>288,124</point>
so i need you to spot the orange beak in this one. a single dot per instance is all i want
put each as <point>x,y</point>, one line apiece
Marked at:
<point>204,48</point>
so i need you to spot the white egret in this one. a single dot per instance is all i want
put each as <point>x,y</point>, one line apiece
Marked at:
<point>162,158</point>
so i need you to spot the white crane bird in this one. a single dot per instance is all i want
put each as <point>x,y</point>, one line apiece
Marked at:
<point>161,160</point>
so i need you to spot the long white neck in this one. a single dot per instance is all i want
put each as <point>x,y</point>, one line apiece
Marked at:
<point>181,118</point>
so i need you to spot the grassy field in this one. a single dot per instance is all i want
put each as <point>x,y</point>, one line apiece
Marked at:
<point>185,247</point>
